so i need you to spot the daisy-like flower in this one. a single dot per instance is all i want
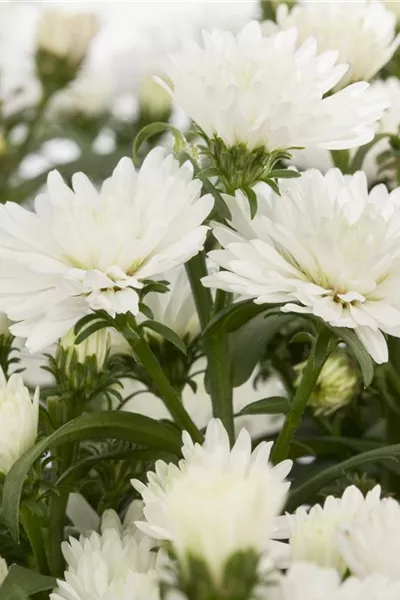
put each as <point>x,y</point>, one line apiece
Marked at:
<point>217,502</point>
<point>19,415</point>
<point>264,92</point>
<point>326,247</point>
<point>371,543</point>
<point>362,32</point>
<point>84,249</point>
<point>313,533</point>
<point>305,581</point>
<point>113,564</point>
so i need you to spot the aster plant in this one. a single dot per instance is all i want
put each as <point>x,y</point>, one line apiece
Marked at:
<point>196,282</point>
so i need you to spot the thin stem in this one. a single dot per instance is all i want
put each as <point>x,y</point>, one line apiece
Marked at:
<point>319,353</point>
<point>167,393</point>
<point>216,345</point>
<point>57,511</point>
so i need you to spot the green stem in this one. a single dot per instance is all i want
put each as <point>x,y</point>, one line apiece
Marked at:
<point>168,394</point>
<point>216,345</point>
<point>391,479</point>
<point>31,525</point>
<point>319,353</point>
<point>57,511</point>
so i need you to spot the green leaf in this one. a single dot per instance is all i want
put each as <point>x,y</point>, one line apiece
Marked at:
<point>341,159</point>
<point>275,405</point>
<point>90,330</point>
<point>357,348</point>
<point>253,202</point>
<point>310,488</point>
<point>22,583</point>
<point>274,186</point>
<point>166,333</point>
<point>249,342</point>
<point>236,315</point>
<point>116,425</point>
<point>151,130</point>
<point>284,174</point>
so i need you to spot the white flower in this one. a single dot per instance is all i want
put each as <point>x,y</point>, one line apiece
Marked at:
<point>19,420</point>
<point>371,543</point>
<point>86,250</point>
<point>308,582</point>
<point>326,247</point>
<point>91,94</point>
<point>3,570</point>
<point>394,6</point>
<point>313,533</point>
<point>4,325</point>
<point>67,35</point>
<point>176,308</point>
<point>336,385</point>
<point>389,123</point>
<point>217,502</point>
<point>264,92</point>
<point>113,565</point>
<point>362,32</point>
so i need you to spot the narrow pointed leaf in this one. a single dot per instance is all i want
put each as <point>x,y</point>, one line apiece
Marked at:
<point>22,583</point>
<point>166,333</point>
<point>275,405</point>
<point>151,130</point>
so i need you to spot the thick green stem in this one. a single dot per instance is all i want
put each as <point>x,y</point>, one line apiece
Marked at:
<point>216,345</point>
<point>391,478</point>
<point>319,353</point>
<point>31,525</point>
<point>57,511</point>
<point>167,393</point>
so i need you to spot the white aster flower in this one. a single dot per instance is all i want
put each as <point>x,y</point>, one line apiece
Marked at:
<point>67,35</point>
<point>264,92</point>
<point>84,250</point>
<point>19,416</point>
<point>217,502</point>
<point>305,581</point>
<point>176,308</point>
<point>371,543</point>
<point>3,570</point>
<point>326,247</point>
<point>362,32</point>
<point>313,533</point>
<point>113,565</point>
<point>394,6</point>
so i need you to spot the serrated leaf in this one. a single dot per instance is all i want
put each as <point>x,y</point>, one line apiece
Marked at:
<point>155,129</point>
<point>23,583</point>
<point>275,405</point>
<point>117,425</point>
<point>166,333</point>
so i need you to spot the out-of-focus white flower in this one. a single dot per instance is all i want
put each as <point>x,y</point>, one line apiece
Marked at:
<point>154,101</point>
<point>3,570</point>
<point>176,308</point>
<point>91,94</point>
<point>19,416</point>
<point>336,385</point>
<point>85,249</point>
<point>363,32</point>
<point>264,92</point>
<point>305,581</point>
<point>371,542</point>
<point>326,247</point>
<point>98,344</point>
<point>217,502</point>
<point>113,564</point>
<point>313,534</point>
<point>394,6</point>
<point>66,35</point>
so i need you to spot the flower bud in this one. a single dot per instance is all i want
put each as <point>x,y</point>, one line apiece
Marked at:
<point>19,416</point>
<point>336,385</point>
<point>62,45</point>
<point>97,345</point>
<point>154,102</point>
